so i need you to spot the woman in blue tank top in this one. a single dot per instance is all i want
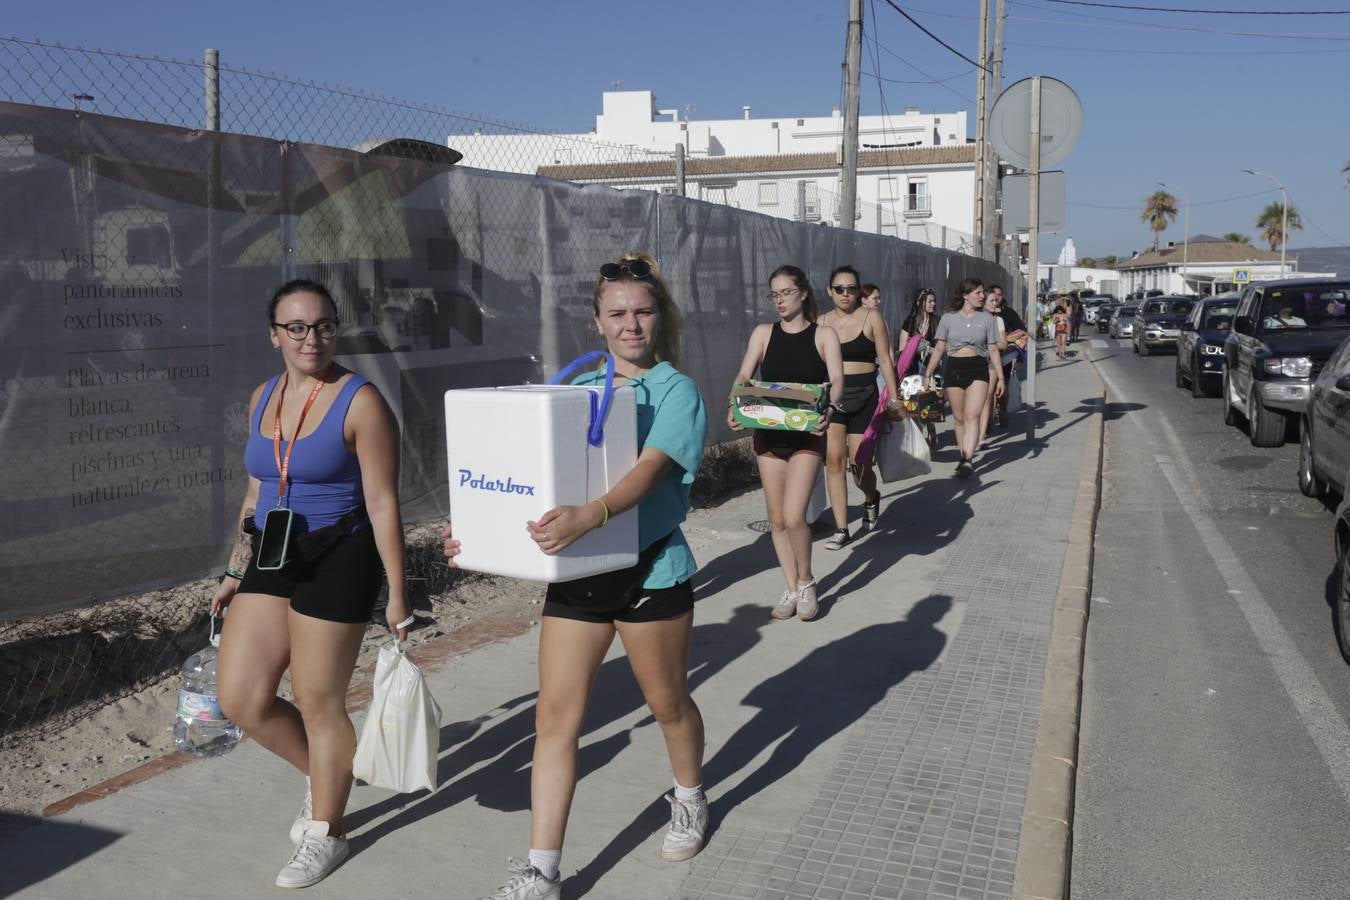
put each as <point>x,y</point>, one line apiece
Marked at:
<point>793,349</point>
<point>324,445</point>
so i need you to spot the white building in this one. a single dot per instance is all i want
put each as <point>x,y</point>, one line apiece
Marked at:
<point>1205,265</point>
<point>915,171</point>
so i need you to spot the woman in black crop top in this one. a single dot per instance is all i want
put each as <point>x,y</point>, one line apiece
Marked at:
<point>793,349</point>
<point>869,344</point>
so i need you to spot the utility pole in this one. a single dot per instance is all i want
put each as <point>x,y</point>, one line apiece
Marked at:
<point>981,143</point>
<point>995,220</point>
<point>1033,251</point>
<point>848,181</point>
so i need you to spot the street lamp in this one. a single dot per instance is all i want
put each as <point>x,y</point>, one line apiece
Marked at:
<point>1185,233</point>
<point>1284,218</point>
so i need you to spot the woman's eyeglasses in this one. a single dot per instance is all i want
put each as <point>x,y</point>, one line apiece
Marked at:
<point>634,267</point>
<point>786,293</point>
<point>326,329</point>
<point>842,289</point>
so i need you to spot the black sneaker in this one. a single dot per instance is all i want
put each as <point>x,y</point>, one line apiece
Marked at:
<point>838,540</point>
<point>872,512</point>
<point>964,469</point>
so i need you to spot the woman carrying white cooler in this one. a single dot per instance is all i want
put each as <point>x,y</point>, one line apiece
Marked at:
<point>797,350</point>
<point>650,605</point>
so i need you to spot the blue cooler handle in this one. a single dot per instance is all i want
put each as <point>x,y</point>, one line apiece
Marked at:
<point>595,434</point>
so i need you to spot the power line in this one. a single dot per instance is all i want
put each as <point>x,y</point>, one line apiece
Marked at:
<point>915,22</point>
<point>1208,12</point>
<point>1136,208</point>
<point>1186,52</point>
<point>905,62</point>
<point>1136,25</point>
<point>936,80</point>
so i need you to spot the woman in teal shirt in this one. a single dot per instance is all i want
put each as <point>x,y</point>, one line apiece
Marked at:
<point>650,606</point>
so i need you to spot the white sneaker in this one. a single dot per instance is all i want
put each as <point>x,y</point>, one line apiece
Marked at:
<point>688,824</point>
<point>527,883</point>
<point>807,605</point>
<point>314,859</point>
<point>786,607</point>
<point>303,818</point>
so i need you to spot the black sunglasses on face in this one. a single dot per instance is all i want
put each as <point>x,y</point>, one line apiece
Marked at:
<point>635,267</point>
<point>844,288</point>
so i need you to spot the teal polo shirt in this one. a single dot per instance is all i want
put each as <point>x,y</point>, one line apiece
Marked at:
<point>671,417</point>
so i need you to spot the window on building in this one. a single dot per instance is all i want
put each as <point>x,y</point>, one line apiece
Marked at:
<point>768,193</point>
<point>887,189</point>
<point>917,198</point>
<point>810,194</point>
<point>801,122</point>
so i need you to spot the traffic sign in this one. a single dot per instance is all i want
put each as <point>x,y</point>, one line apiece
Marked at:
<point>1088,279</point>
<point>1242,276</point>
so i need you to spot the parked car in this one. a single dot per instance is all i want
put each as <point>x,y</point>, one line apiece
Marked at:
<point>1122,322</point>
<point>1157,322</point>
<point>1200,345</point>
<point>1283,334</point>
<point>1324,432</point>
<point>1341,579</point>
<point>1094,307</point>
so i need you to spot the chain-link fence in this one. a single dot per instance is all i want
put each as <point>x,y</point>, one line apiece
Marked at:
<point>152,206</point>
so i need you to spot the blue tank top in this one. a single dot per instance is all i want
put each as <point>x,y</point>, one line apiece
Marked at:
<point>324,482</point>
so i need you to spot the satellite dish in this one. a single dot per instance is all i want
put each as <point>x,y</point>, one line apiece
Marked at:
<point>1061,122</point>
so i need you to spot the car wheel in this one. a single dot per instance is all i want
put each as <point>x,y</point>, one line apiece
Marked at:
<point>1176,374</point>
<point>1341,579</point>
<point>1265,428</point>
<point>1230,415</point>
<point>1134,345</point>
<point>1143,348</point>
<point>1309,482</point>
<point>1197,385</point>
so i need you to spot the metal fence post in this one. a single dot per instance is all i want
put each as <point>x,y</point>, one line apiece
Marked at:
<point>679,169</point>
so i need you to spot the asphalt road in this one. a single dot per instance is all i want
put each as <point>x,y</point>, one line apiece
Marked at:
<point>1215,751</point>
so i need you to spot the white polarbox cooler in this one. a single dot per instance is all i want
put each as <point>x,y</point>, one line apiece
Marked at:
<point>516,452</point>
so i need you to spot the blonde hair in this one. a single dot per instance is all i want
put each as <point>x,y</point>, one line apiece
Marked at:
<point>669,333</point>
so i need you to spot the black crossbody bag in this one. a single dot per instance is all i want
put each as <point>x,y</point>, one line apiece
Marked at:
<point>609,591</point>
<point>310,546</point>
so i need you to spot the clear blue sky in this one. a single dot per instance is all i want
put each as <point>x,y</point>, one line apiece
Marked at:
<point>1166,97</point>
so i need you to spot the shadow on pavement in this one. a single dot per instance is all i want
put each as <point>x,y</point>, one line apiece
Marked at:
<point>800,708</point>
<point>504,783</point>
<point>61,846</point>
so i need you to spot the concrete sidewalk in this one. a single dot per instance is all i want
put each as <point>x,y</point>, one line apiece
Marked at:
<point>883,750</point>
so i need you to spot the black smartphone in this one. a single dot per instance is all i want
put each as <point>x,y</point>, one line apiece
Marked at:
<point>274,546</point>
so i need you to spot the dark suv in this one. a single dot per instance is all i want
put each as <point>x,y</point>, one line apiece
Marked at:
<point>1157,322</point>
<point>1200,347</point>
<point>1282,336</point>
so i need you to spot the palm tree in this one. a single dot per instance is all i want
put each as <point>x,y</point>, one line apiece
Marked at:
<point>1271,224</point>
<point>1160,210</point>
<point>1237,237</point>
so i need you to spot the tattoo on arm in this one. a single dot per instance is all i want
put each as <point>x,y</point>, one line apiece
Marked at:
<point>243,546</point>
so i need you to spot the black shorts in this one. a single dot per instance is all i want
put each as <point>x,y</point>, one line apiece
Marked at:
<point>783,444</point>
<point>651,605</point>
<point>963,371</point>
<point>342,585</point>
<point>860,398</point>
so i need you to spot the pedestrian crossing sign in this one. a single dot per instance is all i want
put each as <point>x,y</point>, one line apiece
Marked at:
<point>1242,276</point>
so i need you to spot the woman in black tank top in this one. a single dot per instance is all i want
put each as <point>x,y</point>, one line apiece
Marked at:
<point>869,348</point>
<point>793,349</point>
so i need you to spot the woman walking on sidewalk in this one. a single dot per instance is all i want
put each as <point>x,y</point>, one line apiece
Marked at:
<point>793,349</point>
<point>968,337</point>
<point>921,323</point>
<point>1008,350</point>
<point>337,496</point>
<point>650,606</point>
<point>865,347</point>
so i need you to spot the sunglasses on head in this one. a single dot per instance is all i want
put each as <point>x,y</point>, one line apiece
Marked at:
<point>634,267</point>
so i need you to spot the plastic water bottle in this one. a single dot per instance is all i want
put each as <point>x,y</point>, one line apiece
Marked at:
<point>200,728</point>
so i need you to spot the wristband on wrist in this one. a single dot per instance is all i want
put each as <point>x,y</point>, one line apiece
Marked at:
<point>234,573</point>
<point>605,507</point>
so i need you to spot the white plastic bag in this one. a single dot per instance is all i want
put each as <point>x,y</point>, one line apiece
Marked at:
<point>902,452</point>
<point>819,500</point>
<point>402,731</point>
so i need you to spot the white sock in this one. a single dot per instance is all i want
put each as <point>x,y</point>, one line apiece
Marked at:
<point>688,794</point>
<point>800,585</point>
<point>547,862</point>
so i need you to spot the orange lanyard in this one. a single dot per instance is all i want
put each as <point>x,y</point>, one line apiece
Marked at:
<point>284,465</point>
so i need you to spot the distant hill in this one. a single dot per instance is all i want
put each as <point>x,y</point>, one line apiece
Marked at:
<point>1324,259</point>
